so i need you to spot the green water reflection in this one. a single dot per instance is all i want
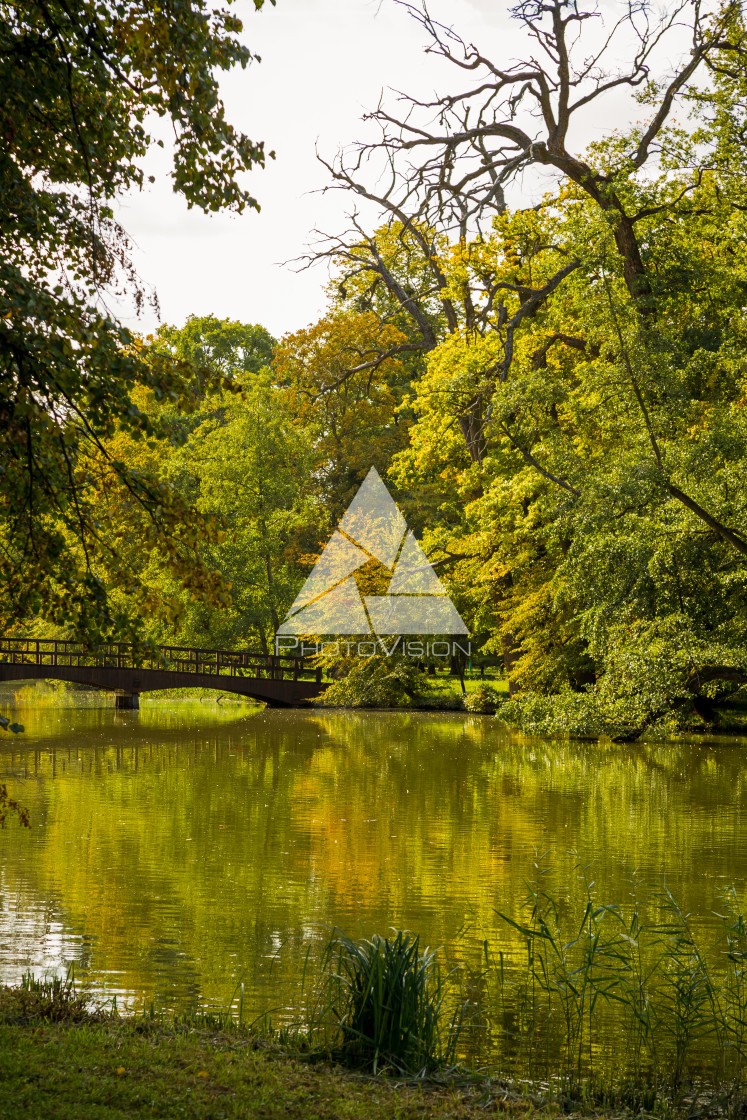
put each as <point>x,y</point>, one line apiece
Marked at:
<point>179,848</point>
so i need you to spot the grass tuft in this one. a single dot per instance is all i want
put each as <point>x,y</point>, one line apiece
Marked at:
<point>382,1005</point>
<point>49,1000</point>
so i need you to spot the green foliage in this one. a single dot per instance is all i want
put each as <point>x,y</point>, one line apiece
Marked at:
<point>604,523</point>
<point>80,87</point>
<point>558,394</point>
<point>577,714</point>
<point>577,437</point>
<point>247,465</point>
<point>585,553</point>
<point>484,698</point>
<point>386,1001</point>
<point>224,345</point>
<point>654,681</point>
<point>372,682</point>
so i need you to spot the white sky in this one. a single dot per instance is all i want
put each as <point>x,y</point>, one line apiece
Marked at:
<point>324,63</point>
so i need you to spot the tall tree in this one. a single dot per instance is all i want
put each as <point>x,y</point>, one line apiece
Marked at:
<point>247,466</point>
<point>583,390</point>
<point>243,465</point>
<point>80,85</point>
<point>352,420</point>
<point>226,345</point>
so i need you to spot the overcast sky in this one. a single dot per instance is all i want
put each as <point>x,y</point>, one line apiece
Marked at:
<point>324,63</point>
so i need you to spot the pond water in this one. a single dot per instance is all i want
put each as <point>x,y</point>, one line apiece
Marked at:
<point>177,850</point>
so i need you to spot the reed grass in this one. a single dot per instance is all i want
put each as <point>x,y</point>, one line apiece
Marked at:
<point>382,1003</point>
<point>619,1005</point>
<point>621,1002</point>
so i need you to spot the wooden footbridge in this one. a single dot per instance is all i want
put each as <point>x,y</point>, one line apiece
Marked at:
<point>280,681</point>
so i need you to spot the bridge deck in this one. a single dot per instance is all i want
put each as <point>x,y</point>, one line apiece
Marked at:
<point>280,681</point>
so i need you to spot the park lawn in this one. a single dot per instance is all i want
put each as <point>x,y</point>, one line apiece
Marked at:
<point>124,1067</point>
<point>443,688</point>
<point>471,684</point>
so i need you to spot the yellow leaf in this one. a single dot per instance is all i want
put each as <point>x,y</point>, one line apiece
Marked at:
<point>202,1073</point>
<point>120,1070</point>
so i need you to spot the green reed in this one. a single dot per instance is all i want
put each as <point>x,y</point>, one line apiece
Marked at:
<point>382,1003</point>
<point>614,1002</point>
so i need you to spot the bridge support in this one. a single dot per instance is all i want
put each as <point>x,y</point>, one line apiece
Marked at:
<point>127,701</point>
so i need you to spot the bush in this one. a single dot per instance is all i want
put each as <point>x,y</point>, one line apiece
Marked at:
<point>484,699</point>
<point>372,682</point>
<point>587,715</point>
<point>567,713</point>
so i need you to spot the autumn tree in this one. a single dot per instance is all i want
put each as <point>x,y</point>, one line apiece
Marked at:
<point>346,400</point>
<point>583,386</point>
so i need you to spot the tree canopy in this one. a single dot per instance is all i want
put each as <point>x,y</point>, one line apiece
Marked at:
<point>81,87</point>
<point>579,435</point>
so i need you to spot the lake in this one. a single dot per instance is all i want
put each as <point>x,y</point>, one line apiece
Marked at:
<point>181,849</point>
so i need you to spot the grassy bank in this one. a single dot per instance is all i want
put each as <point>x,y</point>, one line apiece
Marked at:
<point>118,1069</point>
<point>58,1059</point>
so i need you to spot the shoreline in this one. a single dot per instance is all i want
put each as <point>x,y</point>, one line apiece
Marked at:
<point>73,1064</point>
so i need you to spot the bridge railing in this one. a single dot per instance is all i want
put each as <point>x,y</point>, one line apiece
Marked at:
<point>59,653</point>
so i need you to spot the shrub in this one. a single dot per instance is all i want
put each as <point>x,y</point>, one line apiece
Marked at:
<point>372,682</point>
<point>484,699</point>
